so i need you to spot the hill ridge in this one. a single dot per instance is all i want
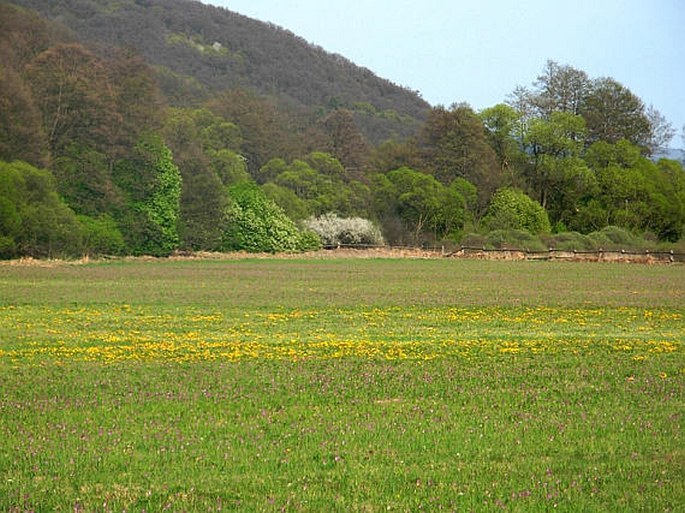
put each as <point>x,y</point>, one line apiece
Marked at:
<point>214,49</point>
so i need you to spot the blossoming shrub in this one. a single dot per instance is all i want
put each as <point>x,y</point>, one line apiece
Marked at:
<point>349,231</point>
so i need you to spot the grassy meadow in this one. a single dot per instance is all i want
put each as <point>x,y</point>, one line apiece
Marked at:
<point>342,385</point>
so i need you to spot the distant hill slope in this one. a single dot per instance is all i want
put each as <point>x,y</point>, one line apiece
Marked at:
<point>669,153</point>
<point>199,49</point>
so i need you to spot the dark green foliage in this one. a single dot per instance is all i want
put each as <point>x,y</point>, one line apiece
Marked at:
<point>613,113</point>
<point>453,144</point>
<point>77,103</point>
<point>203,203</point>
<point>254,223</point>
<point>634,193</point>
<point>85,181</point>
<point>202,144</point>
<point>21,132</point>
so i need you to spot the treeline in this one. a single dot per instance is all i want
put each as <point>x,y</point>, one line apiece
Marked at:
<point>97,159</point>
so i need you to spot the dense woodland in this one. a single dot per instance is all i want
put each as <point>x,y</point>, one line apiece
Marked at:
<point>149,126</point>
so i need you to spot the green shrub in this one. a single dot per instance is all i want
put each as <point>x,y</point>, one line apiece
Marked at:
<point>514,239</point>
<point>473,240</point>
<point>8,248</point>
<point>512,209</point>
<point>615,238</point>
<point>570,241</point>
<point>101,236</point>
<point>255,223</point>
<point>34,220</point>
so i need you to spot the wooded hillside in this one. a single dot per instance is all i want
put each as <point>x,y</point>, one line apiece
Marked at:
<point>199,49</point>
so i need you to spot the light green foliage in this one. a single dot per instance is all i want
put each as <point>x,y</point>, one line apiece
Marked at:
<point>428,209</point>
<point>469,193</point>
<point>634,192</point>
<point>198,44</point>
<point>153,185</point>
<point>560,136</point>
<point>504,125</point>
<point>229,166</point>
<point>326,164</point>
<point>294,207</point>
<point>555,173</point>
<point>11,184</point>
<point>162,206</point>
<point>318,181</point>
<point>216,133</point>
<point>255,223</point>
<point>418,199</point>
<point>514,209</point>
<point>34,220</point>
<point>101,236</point>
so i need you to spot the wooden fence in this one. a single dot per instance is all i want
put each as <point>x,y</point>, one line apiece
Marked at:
<point>552,254</point>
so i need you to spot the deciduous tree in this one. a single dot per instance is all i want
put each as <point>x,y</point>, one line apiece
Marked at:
<point>453,143</point>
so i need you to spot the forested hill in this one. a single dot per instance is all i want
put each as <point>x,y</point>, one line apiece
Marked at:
<point>200,49</point>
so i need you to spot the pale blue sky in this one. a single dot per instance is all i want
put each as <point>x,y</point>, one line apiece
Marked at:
<point>478,51</point>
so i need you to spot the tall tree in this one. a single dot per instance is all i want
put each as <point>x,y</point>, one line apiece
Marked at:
<point>267,132</point>
<point>137,98</point>
<point>453,143</point>
<point>556,174</point>
<point>346,142</point>
<point>559,88</point>
<point>71,87</point>
<point>152,184</point>
<point>612,112</point>
<point>504,126</point>
<point>662,130</point>
<point>425,207</point>
<point>21,130</point>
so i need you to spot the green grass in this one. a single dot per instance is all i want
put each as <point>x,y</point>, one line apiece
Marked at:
<point>342,385</point>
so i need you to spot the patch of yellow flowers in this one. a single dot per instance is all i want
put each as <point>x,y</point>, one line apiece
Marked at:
<point>120,333</point>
